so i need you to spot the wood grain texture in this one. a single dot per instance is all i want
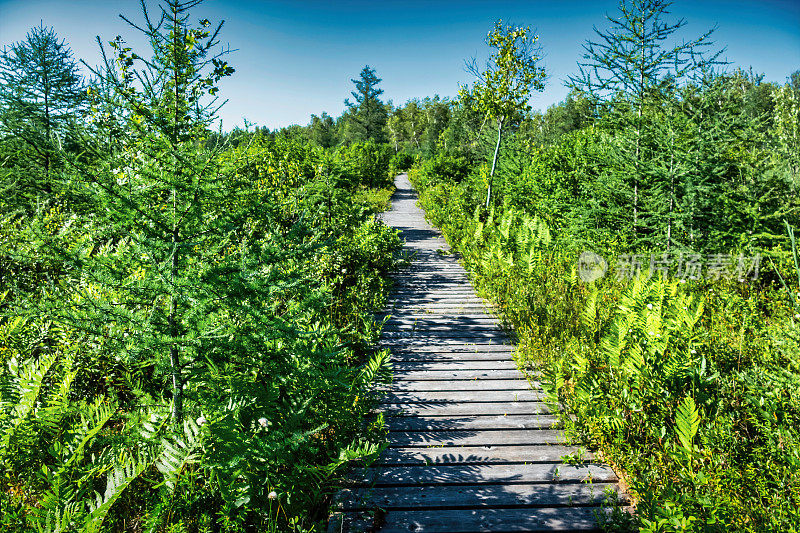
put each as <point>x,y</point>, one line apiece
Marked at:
<point>474,445</point>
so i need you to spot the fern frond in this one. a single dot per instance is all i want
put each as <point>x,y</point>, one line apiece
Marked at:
<point>687,422</point>
<point>377,368</point>
<point>589,312</point>
<point>26,382</point>
<point>478,235</point>
<point>117,480</point>
<point>178,453</point>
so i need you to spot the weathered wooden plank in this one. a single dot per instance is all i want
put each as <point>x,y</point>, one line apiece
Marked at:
<point>444,343</point>
<point>445,274</point>
<point>417,310</point>
<point>461,474</point>
<point>405,323</point>
<point>498,396</point>
<point>478,496</point>
<point>477,455</point>
<point>475,320</point>
<point>445,277</point>
<point>422,291</point>
<point>458,348</point>
<point>470,422</point>
<point>531,437</point>
<point>417,285</point>
<point>465,357</point>
<point>457,329</point>
<point>439,302</point>
<point>451,333</point>
<point>414,285</point>
<point>406,314</point>
<point>436,271</point>
<point>470,384</point>
<point>474,520</point>
<point>438,375</point>
<point>443,303</point>
<point>434,266</point>
<point>442,307</point>
<point>445,339</point>
<point>465,408</point>
<point>406,366</point>
<point>423,286</point>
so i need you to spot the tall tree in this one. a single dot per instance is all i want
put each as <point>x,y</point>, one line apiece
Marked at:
<point>437,116</point>
<point>41,92</point>
<point>632,60</point>
<point>166,213</point>
<point>504,88</point>
<point>395,127</point>
<point>787,122</point>
<point>369,115</point>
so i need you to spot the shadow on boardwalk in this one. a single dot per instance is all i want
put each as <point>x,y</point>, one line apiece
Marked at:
<point>472,446</point>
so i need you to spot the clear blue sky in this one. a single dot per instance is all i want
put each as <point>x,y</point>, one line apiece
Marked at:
<point>295,58</point>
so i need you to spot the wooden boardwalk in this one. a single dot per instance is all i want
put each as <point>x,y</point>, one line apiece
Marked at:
<point>472,446</point>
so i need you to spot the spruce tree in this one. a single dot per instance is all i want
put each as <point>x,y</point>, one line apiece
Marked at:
<point>369,116</point>
<point>41,93</point>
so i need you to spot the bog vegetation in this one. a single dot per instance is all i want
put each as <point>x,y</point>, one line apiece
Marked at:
<point>187,339</point>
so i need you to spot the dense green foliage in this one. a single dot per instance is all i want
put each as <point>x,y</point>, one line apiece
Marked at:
<point>186,331</point>
<point>187,339</point>
<point>686,381</point>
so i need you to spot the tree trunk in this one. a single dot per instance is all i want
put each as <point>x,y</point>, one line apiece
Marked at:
<point>174,352</point>
<point>640,98</point>
<point>47,132</point>
<point>172,321</point>
<point>494,160</point>
<point>671,200</point>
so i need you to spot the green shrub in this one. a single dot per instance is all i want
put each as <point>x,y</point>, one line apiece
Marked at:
<point>689,389</point>
<point>366,162</point>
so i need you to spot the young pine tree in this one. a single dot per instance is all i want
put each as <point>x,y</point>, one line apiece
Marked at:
<point>41,93</point>
<point>169,271</point>
<point>633,65</point>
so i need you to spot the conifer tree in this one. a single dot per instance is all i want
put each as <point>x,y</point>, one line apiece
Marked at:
<point>41,92</point>
<point>323,131</point>
<point>170,246</point>
<point>369,115</point>
<point>631,65</point>
<point>787,123</point>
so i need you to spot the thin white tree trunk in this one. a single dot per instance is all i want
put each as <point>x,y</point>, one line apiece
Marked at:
<point>494,160</point>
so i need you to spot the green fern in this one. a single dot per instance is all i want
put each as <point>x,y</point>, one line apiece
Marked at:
<point>20,393</point>
<point>589,313</point>
<point>687,422</point>
<point>179,452</point>
<point>377,369</point>
<point>117,480</point>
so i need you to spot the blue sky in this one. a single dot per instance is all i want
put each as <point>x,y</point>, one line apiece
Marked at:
<point>295,58</point>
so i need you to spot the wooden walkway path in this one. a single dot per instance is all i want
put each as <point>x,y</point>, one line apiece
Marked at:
<point>472,446</point>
